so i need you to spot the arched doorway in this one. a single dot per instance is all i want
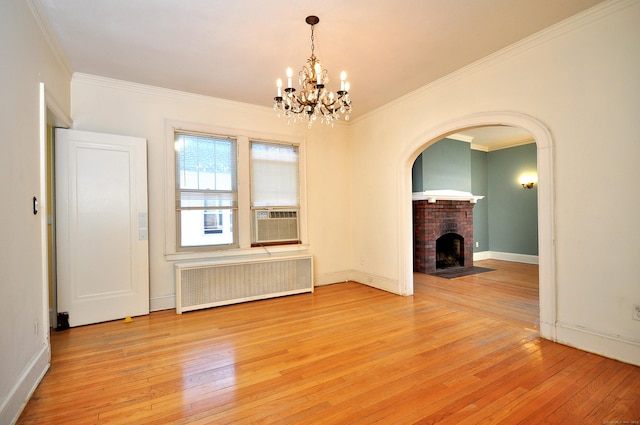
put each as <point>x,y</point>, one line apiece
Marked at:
<point>546,253</point>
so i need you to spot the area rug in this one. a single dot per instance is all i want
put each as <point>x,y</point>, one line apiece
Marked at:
<point>453,272</point>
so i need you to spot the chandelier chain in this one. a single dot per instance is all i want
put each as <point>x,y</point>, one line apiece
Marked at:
<point>313,46</point>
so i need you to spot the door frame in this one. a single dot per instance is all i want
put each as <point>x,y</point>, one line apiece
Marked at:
<point>51,116</point>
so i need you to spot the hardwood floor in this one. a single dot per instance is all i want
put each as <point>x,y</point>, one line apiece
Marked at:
<point>460,351</point>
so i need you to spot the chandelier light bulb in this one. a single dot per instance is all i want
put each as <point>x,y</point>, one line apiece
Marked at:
<point>279,84</point>
<point>289,75</point>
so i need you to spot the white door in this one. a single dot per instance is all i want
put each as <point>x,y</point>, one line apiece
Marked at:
<point>101,217</point>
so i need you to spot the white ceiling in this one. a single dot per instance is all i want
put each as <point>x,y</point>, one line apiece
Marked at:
<point>237,49</point>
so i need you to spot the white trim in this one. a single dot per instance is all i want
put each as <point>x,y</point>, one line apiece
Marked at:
<point>37,10</point>
<point>461,137</point>
<point>481,148</point>
<point>482,255</point>
<point>331,278</point>
<point>379,282</point>
<point>432,196</point>
<point>506,256</point>
<point>233,253</point>
<point>18,396</point>
<point>510,144</point>
<point>503,145</point>
<point>56,116</point>
<point>599,342</point>
<point>148,90</point>
<point>44,225</point>
<point>165,302</point>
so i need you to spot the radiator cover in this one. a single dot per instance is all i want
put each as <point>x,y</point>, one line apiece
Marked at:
<point>229,281</point>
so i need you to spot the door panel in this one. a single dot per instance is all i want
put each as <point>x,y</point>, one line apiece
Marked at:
<point>101,209</point>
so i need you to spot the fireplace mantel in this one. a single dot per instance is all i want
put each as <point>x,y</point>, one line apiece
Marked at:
<point>437,213</point>
<point>432,196</point>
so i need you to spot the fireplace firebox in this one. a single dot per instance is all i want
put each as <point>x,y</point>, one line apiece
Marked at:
<point>449,251</point>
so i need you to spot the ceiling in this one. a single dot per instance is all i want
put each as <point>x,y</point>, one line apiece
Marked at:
<point>490,138</point>
<point>237,49</point>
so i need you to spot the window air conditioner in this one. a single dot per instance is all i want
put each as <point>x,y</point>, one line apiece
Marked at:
<point>276,225</point>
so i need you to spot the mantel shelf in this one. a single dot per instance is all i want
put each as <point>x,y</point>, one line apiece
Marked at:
<point>432,196</point>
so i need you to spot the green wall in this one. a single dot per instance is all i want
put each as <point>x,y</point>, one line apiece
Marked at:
<point>506,220</point>
<point>513,210</point>
<point>480,186</point>
<point>416,175</point>
<point>448,166</point>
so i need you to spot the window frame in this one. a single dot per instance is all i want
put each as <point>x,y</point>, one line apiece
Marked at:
<point>273,207</point>
<point>244,221</point>
<point>233,209</point>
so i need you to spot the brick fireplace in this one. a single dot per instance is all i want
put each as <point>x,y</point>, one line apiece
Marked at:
<point>442,230</point>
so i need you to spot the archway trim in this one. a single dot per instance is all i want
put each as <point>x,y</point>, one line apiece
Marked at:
<point>546,234</point>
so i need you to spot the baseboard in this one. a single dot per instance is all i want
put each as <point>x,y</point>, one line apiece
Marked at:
<point>479,256</point>
<point>598,342</point>
<point>374,281</point>
<point>330,278</point>
<point>548,331</point>
<point>505,256</point>
<point>166,302</point>
<point>21,392</point>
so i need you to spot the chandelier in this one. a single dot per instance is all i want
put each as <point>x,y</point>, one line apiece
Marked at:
<point>313,101</point>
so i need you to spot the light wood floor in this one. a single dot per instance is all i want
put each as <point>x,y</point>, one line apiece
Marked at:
<point>461,351</point>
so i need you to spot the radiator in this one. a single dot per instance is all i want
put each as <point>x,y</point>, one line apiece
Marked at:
<point>222,282</point>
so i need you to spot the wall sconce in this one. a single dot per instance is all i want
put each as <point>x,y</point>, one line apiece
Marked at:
<point>527,181</point>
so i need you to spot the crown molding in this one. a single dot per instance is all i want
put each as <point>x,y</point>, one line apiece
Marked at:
<point>460,137</point>
<point>149,90</point>
<point>169,94</point>
<point>510,144</point>
<point>37,10</point>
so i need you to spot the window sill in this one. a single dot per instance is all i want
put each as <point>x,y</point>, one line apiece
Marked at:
<point>231,253</point>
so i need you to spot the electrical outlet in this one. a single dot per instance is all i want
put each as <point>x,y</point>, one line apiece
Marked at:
<point>477,244</point>
<point>636,312</point>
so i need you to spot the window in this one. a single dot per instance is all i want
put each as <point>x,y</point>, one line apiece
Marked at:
<point>275,197</point>
<point>274,175</point>
<point>206,191</point>
<point>231,193</point>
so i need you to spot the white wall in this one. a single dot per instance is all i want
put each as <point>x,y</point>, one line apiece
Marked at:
<point>580,80</point>
<point>111,106</point>
<point>27,61</point>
